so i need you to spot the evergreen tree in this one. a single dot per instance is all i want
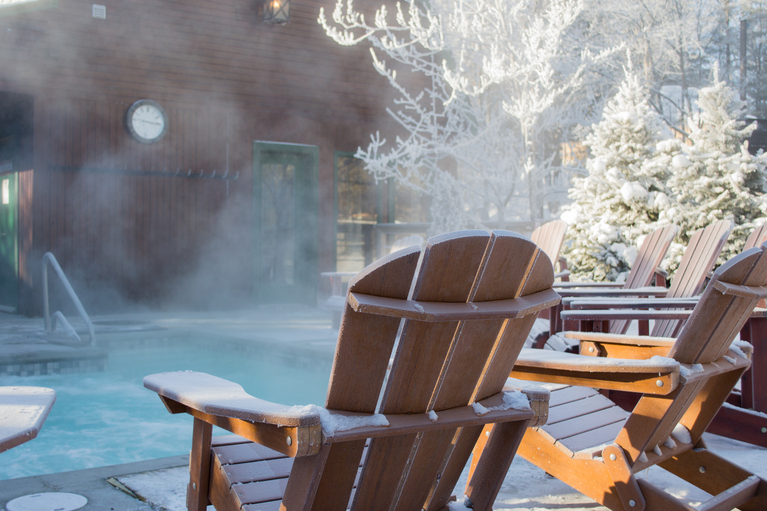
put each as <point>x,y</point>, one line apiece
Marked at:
<point>620,198</point>
<point>716,178</point>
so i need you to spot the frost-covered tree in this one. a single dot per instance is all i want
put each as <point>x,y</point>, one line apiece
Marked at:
<point>488,85</point>
<point>621,197</point>
<point>716,178</point>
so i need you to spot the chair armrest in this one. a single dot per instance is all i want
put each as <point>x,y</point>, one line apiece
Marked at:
<point>630,303</point>
<point>23,411</point>
<point>293,431</point>
<point>537,394</point>
<point>650,291</point>
<point>216,396</point>
<point>657,375</point>
<point>562,274</point>
<point>567,285</point>
<point>596,344</point>
<point>633,340</point>
<point>610,315</point>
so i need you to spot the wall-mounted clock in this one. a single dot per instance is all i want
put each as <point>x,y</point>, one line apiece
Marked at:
<point>146,121</point>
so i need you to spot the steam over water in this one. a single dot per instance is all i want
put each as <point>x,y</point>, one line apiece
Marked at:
<point>109,418</point>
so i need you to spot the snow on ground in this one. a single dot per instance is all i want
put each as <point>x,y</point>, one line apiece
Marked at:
<point>526,487</point>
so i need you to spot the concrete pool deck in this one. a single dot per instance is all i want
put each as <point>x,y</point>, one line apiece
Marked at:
<point>161,482</point>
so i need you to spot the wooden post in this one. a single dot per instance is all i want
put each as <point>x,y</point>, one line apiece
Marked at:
<point>199,467</point>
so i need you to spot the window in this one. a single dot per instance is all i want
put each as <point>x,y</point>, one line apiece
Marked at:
<point>358,203</point>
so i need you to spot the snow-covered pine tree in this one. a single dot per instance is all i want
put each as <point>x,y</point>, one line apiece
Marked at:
<point>716,178</point>
<point>620,198</point>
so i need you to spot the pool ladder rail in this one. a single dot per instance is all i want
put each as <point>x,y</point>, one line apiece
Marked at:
<point>51,320</point>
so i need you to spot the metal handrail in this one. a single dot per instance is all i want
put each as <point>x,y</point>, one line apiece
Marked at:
<point>49,258</point>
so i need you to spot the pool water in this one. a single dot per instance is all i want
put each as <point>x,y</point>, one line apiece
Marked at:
<point>109,418</point>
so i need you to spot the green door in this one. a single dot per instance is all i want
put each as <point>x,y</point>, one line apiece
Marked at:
<point>285,209</point>
<point>9,250</point>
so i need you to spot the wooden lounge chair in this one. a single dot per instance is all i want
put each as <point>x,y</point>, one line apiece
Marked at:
<point>549,237</point>
<point>698,259</point>
<point>335,302</point>
<point>645,268</point>
<point>23,411</point>
<point>450,357</point>
<point>598,448</point>
<point>741,417</point>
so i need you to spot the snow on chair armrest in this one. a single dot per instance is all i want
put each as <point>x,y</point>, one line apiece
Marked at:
<point>23,411</point>
<point>216,396</point>
<point>658,375</point>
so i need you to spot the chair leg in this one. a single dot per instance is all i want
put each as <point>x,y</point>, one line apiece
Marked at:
<point>495,458</point>
<point>199,467</point>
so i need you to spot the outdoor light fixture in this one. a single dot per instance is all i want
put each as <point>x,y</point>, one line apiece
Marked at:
<point>277,11</point>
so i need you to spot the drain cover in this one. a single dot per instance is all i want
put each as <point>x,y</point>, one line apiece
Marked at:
<point>47,502</point>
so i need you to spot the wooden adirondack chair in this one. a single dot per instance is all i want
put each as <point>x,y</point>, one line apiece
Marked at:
<point>598,448</point>
<point>335,302</point>
<point>741,417</point>
<point>450,355</point>
<point>649,256</point>
<point>698,259</point>
<point>549,237</point>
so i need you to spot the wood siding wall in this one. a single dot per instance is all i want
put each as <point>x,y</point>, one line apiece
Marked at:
<point>119,214</point>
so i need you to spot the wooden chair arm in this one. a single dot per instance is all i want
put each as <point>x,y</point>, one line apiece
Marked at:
<point>216,396</point>
<point>567,285</point>
<point>650,291</point>
<point>610,315</point>
<point>538,396</point>
<point>658,375</point>
<point>23,411</point>
<point>596,344</point>
<point>445,311</point>
<point>630,303</point>
<point>633,340</point>
<point>562,274</point>
<point>753,292</point>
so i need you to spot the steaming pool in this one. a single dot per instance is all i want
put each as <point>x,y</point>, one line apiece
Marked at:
<point>109,418</point>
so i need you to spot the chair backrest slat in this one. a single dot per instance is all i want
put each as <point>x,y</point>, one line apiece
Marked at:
<point>756,238</point>
<point>359,368</point>
<point>649,257</point>
<point>704,249</point>
<point>549,237</point>
<point>698,260</point>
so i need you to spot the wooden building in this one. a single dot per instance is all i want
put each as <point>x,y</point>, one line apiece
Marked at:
<point>229,199</point>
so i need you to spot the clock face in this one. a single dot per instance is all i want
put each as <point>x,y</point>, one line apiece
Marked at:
<point>146,121</point>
